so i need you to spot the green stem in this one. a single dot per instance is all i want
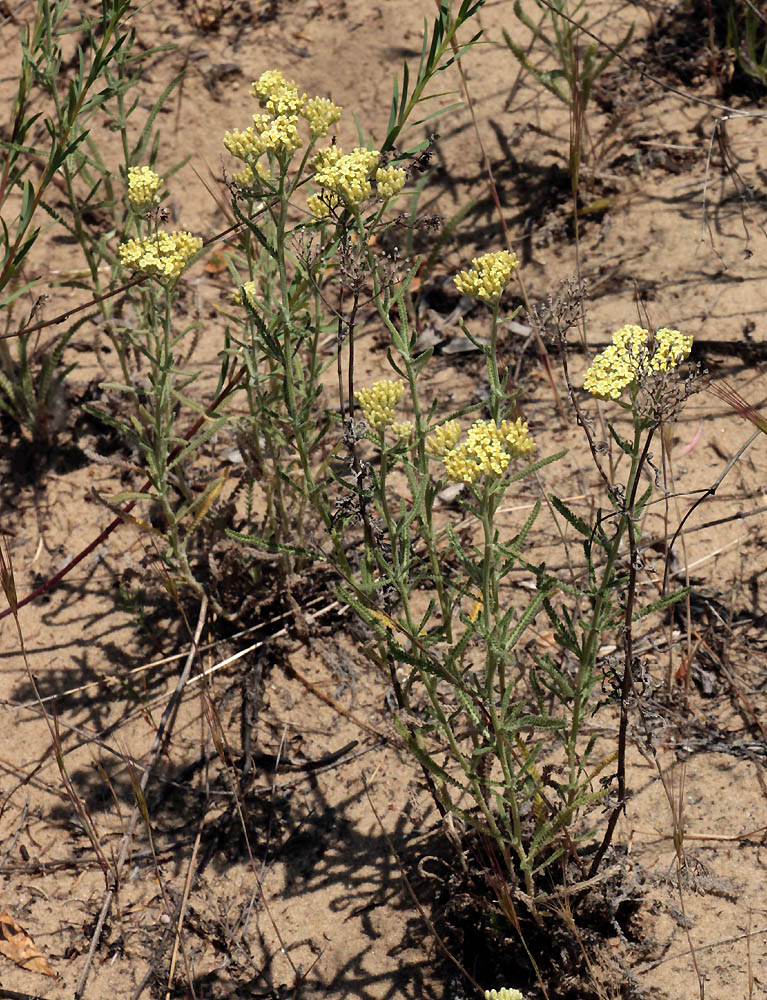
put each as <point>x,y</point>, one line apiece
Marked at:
<point>491,357</point>
<point>589,648</point>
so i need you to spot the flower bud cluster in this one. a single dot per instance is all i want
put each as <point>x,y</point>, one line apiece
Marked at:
<point>503,994</point>
<point>278,95</point>
<point>390,181</point>
<point>671,348</point>
<point>278,135</point>
<point>248,290</point>
<point>320,113</point>
<point>402,429</point>
<point>379,401</point>
<point>444,438</point>
<point>143,187</point>
<point>348,176</point>
<point>247,176</point>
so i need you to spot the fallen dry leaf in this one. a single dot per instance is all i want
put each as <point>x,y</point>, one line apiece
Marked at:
<point>17,945</point>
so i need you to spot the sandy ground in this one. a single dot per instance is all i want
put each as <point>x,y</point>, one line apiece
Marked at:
<point>314,894</point>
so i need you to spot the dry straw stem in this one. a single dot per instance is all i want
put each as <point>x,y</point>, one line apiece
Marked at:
<point>15,995</point>
<point>729,838</point>
<point>220,742</point>
<point>640,69</point>
<point>729,113</point>
<point>710,492</point>
<point>8,582</point>
<point>182,909</point>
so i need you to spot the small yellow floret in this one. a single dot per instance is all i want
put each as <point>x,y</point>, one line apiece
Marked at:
<point>445,438</point>
<point>161,255</point>
<point>503,994</point>
<point>320,113</point>
<point>488,276</point>
<point>378,402</point>
<point>389,181</point>
<point>278,135</point>
<point>249,291</point>
<point>143,185</point>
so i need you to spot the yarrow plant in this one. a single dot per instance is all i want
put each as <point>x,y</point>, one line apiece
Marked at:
<point>647,368</point>
<point>161,258</point>
<point>490,705</point>
<point>476,707</point>
<point>498,728</point>
<point>282,290</point>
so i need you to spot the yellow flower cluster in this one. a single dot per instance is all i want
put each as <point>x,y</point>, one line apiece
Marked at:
<point>389,181</point>
<point>245,145</point>
<point>503,994</point>
<point>278,135</point>
<point>277,131</point>
<point>268,84</point>
<point>276,94</point>
<point>320,113</point>
<point>488,450</point>
<point>161,255</point>
<point>346,175</point>
<point>378,402</point>
<point>323,159</point>
<point>143,185</point>
<point>627,360</point>
<point>671,348</point>
<point>445,438</point>
<point>488,276</point>
<point>321,205</point>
